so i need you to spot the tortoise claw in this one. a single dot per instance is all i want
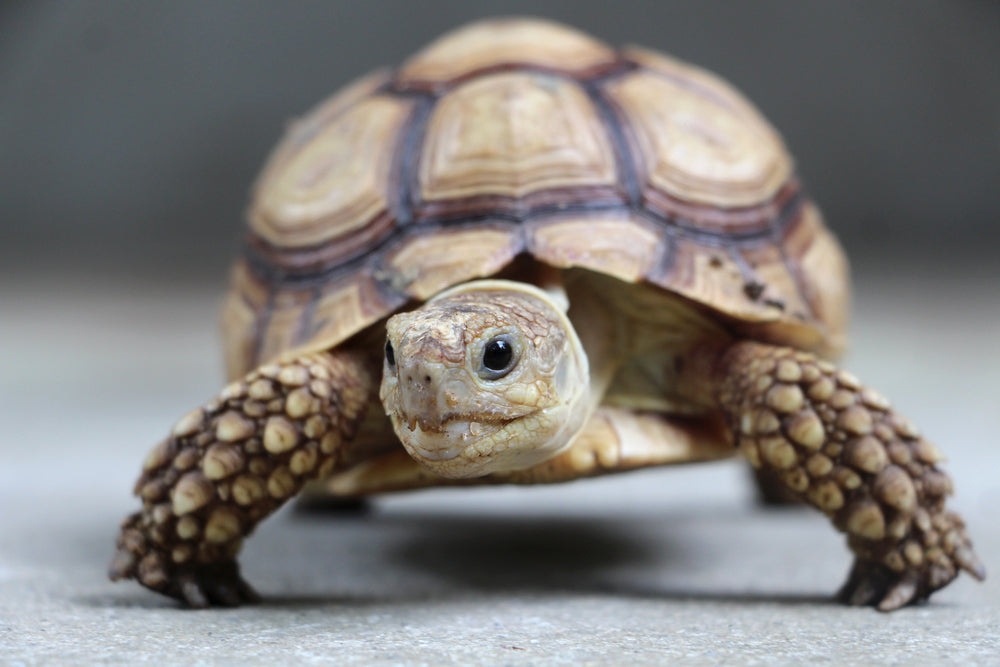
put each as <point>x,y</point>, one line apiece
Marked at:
<point>215,584</point>
<point>900,593</point>
<point>190,592</point>
<point>970,563</point>
<point>231,590</point>
<point>865,584</point>
<point>197,585</point>
<point>873,584</point>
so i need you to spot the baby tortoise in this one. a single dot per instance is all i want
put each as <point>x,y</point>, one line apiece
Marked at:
<point>564,260</point>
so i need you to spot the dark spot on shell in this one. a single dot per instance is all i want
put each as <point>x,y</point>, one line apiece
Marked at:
<point>753,289</point>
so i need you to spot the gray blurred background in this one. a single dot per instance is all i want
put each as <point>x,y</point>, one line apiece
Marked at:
<point>130,132</point>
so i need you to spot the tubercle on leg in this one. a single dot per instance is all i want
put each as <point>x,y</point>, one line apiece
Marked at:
<point>842,448</point>
<point>230,463</point>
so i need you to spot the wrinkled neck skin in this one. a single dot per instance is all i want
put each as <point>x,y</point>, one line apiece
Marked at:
<point>487,377</point>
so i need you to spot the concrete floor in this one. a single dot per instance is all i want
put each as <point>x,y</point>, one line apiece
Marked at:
<point>673,565</point>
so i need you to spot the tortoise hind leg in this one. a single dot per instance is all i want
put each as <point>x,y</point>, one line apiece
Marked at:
<point>229,464</point>
<point>840,447</point>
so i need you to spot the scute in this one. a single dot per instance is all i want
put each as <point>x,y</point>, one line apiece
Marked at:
<point>523,139</point>
<point>698,142</point>
<point>424,264</point>
<point>283,330</point>
<point>513,134</point>
<point>823,275</point>
<point>345,306</point>
<point>301,130</point>
<point>336,182</point>
<point>779,288</point>
<point>504,42</point>
<point>617,244</point>
<point>242,309</point>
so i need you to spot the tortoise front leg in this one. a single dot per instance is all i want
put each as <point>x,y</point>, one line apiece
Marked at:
<point>231,463</point>
<point>840,447</point>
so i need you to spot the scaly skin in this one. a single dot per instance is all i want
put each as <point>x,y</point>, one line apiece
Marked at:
<point>229,464</point>
<point>840,447</point>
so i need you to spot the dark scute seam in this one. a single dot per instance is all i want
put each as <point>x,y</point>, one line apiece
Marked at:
<point>404,173</point>
<point>624,160</point>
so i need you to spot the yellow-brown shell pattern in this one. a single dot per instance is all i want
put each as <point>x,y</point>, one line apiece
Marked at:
<point>523,137</point>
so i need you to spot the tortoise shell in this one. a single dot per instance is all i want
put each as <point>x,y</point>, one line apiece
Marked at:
<point>520,137</point>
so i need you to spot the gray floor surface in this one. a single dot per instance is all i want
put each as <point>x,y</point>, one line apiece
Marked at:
<point>672,565</point>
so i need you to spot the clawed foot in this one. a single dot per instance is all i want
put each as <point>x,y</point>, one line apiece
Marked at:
<point>910,571</point>
<point>874,584</point>
<point>201,586</point>
<point>198,585</point>
<point>217,584</point>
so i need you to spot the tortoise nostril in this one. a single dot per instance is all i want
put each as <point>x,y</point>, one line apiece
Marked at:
<point>423,381</point>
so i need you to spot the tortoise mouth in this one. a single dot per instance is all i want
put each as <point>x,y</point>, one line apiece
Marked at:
<point>465,448</point>
<point>447,423</point>
<point>447,439</point>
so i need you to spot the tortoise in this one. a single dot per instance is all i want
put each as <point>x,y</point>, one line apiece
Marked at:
<point>564,260</point>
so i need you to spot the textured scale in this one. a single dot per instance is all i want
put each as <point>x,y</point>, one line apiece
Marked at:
<point>516,137</point>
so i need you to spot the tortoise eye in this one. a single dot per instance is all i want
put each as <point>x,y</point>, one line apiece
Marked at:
<point>390,356</point>
<point>499,358</point>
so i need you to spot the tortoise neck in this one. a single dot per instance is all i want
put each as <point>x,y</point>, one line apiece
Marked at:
<point>703,372</point>
<point>602,333</point>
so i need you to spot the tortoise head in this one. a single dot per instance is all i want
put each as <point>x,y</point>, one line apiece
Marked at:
<point>486,377</point>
